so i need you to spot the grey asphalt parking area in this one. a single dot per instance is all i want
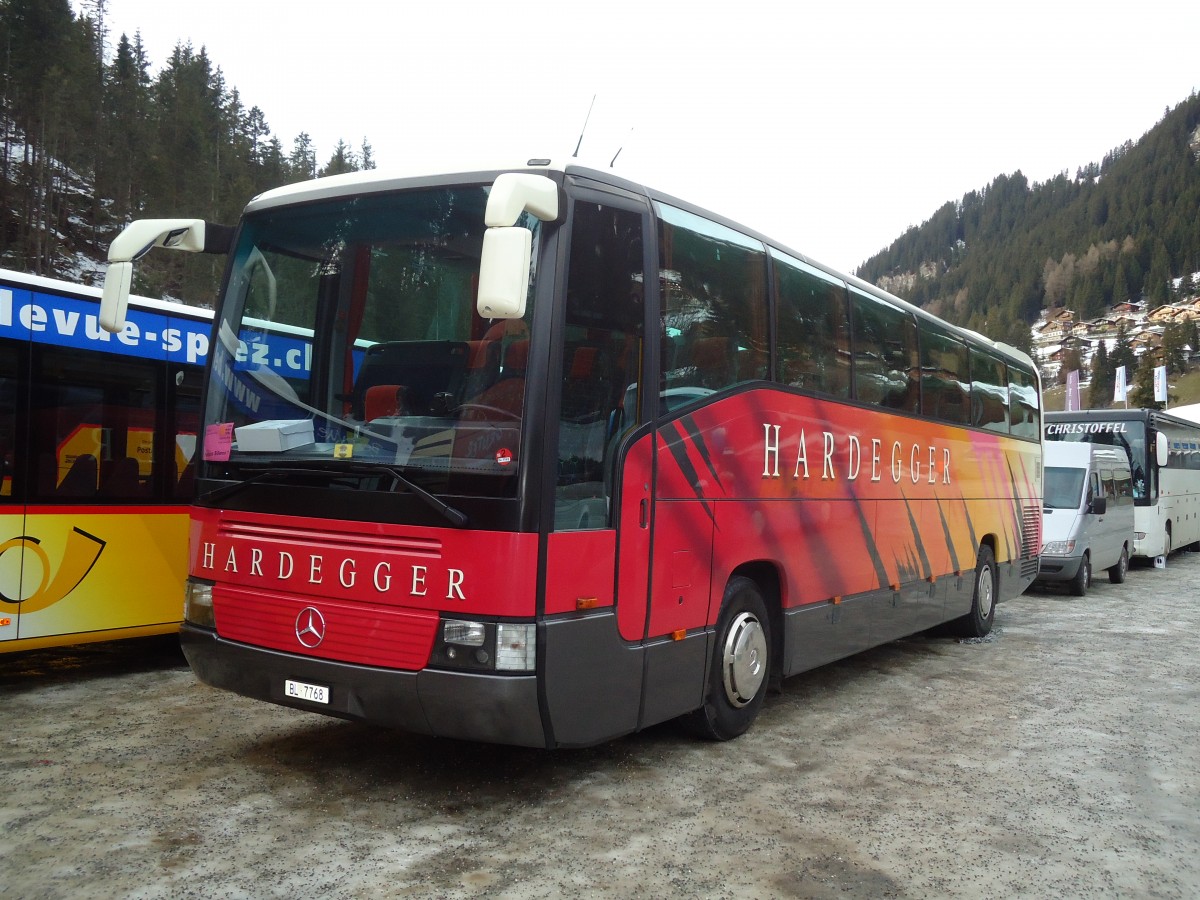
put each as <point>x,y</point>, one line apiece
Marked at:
<point>1056,758</point>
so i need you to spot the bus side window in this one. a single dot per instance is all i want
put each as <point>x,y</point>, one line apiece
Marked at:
<point>1024,415</point>
<point>714,300</point>
<point>9,361</point>
<point>813,328</point>
<point>989,392</point>
<point>945,382</point>
<point>886,363</point>
<point>601,359</point>
<point>93,426</point>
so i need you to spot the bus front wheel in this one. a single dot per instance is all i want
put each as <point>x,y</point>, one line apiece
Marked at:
<point>978,621</point>
<point>741,662</point>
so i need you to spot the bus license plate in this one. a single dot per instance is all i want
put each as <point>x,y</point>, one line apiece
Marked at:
<point>314,693</point>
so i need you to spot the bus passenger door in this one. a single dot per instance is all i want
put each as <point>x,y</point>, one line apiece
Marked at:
<point>633,536</point>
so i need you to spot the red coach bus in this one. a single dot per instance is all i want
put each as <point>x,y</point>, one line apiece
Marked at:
<point>542,457</point>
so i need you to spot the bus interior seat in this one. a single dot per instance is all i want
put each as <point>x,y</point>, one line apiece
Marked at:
<point>712,357</point>
<point>185,484</point>
<point>426,369</point>
<point>588,386</point>
<point>383,400</point>
<point>508,392</point>
<point>123,479</point>
<point>483,366</point>
<point>81,479</point>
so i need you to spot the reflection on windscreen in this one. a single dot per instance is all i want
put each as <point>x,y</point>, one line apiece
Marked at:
<point>1063,487</point>
<point>402,370</point>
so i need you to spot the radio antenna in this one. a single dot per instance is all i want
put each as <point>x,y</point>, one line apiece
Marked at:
<point>583,130</point>
<point>619,149</point>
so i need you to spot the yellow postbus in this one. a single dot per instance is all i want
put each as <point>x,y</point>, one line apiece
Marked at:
<point>97,437</point>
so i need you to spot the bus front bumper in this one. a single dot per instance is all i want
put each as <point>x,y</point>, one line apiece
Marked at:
<point>465,705</point>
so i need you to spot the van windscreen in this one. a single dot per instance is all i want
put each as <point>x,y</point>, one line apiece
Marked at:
<point>1063,487</point>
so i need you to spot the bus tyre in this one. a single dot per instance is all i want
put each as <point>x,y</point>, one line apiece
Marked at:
<point>1117,573</point>
<point>1083,578</point>
<point>978,621</point>
<point>741,663</point>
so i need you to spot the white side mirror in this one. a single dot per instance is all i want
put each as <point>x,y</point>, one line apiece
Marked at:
<point>504,272</point>
<point>507,248</point>
<point>1161,449</point>
<point>118,281</point>
<point>137,239</point>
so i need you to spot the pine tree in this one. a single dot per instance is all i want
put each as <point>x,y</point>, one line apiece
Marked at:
<point>1142,393</point>
<point>1103,378</point>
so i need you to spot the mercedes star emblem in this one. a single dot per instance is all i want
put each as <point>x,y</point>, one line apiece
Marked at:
<point>310,627</point>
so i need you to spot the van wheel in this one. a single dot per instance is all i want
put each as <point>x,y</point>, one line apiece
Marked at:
<point>741,662</point>
<point>1083,578</point>
<point>1117,573</point>
<point>978,621</point>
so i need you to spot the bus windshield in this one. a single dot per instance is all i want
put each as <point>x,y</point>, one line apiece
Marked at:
<point>404,373</point>
<point>1063,487</point>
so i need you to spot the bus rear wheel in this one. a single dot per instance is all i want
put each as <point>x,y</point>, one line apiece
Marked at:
<point>741,662</point>
<point>978,622</point>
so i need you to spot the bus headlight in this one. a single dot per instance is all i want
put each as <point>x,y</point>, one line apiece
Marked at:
<point>485,646</point>
<point>198,604</point>
<point>1058,548</point>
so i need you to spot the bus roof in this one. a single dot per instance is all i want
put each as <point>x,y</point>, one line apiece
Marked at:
<point>54,285</point>
<point>376,180</point>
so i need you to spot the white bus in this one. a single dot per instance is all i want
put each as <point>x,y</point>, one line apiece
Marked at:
<point>1164,454</point>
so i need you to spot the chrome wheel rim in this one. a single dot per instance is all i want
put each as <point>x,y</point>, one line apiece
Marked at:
<point>744,659</point>
<point>986,589</point>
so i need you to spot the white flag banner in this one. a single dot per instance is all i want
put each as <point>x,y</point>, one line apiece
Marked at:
<point>1073,390</point>
<point>1120,390</point>
<point>1160,384</point>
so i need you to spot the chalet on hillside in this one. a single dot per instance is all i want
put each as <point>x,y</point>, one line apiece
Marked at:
<point>1145,340</point>
<point>1187,311</point>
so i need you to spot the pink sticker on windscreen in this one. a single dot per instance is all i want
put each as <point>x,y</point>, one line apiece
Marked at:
<point>218,441</point>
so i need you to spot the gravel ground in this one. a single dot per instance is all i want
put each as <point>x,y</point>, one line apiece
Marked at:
<point>1057,758</point>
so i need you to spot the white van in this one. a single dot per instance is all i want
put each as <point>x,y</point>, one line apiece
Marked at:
<point>1087,514</point>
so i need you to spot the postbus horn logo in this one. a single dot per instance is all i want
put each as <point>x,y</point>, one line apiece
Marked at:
<point>80,555</point>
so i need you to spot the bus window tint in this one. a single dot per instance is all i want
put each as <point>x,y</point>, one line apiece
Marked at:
<point>813,328</point>
<point>989,392</point>
<point>714,299</point>
<point>186,412</point>
<point>945,383</point>
<point>8,422</point>
<point>93,428</point>
<point>600,359</point>
<point>1025,417</point>
<point>885,354</point>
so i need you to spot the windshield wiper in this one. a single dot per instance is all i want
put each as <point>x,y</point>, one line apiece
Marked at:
<point>453,516</point>
<point>230,489</point>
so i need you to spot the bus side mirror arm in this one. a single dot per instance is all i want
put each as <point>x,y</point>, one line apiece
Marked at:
<point>139,238</point>
<point>508,248</point>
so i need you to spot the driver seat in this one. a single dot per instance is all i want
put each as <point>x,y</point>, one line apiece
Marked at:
<point>508,393</point>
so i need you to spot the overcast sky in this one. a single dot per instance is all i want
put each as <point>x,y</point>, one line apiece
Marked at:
<point>832,127</point>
